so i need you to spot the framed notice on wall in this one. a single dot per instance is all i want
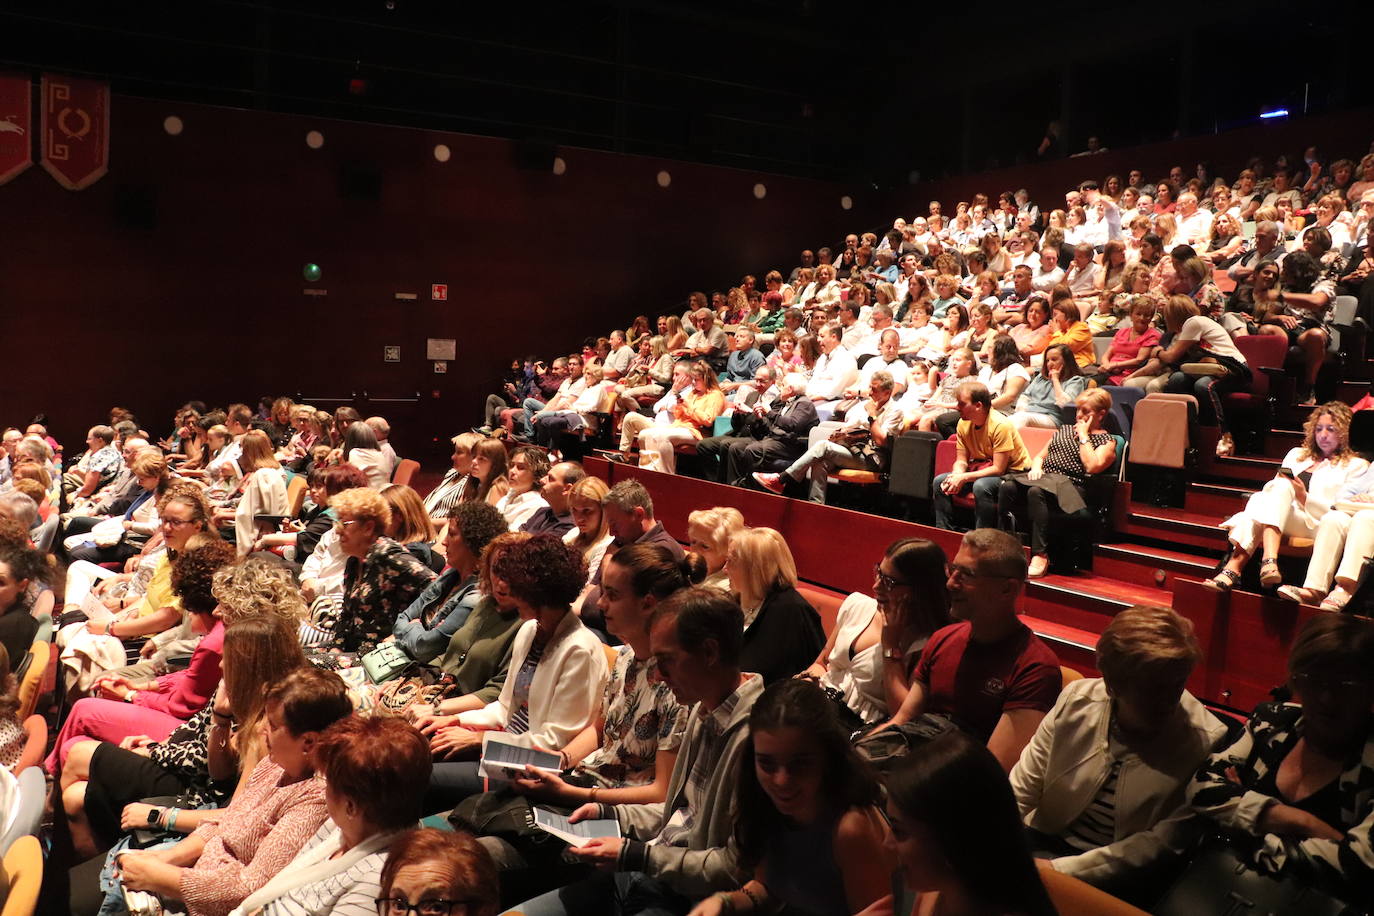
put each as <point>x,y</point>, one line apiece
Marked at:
<point>441,348</point>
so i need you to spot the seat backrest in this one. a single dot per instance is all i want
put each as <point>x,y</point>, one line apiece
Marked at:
<point>1160,432</point>
<point>1263,351</point>
<point>1101,345</point>
<point>32,680</point>
<point>295,495</point>
<point>1037,440</point>
<point>946,453</point>
<point>405,472</point>
<point>1072,897</point>
<point>24,869</point>
<point>1344,310</point>
<point>1124,399</point>
<point>28,808</point>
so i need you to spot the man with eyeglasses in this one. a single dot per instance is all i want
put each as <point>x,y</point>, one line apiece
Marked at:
<point>1264,248</point>
<point>988,673</point>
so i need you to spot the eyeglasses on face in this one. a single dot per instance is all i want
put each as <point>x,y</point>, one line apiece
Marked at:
<point>886,581</point>
<point>956,573</point>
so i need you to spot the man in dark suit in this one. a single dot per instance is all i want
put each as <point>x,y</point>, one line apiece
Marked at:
<point>768,437</point>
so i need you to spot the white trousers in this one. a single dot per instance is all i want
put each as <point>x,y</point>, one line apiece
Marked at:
<point>1274,506</point>
<point>656,447</point>
<point>81,578</point>
<point>1344,539</point>
<point>1023,418</point>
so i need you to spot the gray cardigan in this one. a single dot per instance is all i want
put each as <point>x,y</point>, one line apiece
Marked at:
<point>709,862</point>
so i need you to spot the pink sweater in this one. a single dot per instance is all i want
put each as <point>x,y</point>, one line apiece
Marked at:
<point>257,836</point>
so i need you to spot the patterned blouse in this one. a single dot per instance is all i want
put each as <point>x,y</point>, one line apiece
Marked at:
<point>376,590</point>
<point>642,718</point>
<point>1064,456</point>
<point>1345,868</point>
<point>186,755</point>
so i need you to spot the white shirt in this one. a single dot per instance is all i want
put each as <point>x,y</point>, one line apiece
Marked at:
<point>1046,280</point>
<point>518,508</point>
<point>1211,336</point>
<point>1196,229</point>
<point>897,368</point>
<point>1081,281</point>
<point>835,371</point>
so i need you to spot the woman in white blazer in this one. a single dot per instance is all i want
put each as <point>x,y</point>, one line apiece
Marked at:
<point>1100,785</point>
<point>263,491</point>
<point>557,673</point>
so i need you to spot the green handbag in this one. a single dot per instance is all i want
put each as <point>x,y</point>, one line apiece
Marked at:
<point>385,662</point>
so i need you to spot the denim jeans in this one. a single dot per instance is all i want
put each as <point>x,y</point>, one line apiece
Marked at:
<point>985,491</point>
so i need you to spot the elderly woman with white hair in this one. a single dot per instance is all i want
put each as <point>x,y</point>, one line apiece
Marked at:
<point>709,533</point>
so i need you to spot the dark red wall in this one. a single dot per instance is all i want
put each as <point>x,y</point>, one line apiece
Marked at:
<point>178,275</point>
<point>1347,134</point>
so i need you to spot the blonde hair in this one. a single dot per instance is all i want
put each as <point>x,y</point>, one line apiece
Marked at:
<point>258,587</point>
<point>1341,415</point>
<point>257,452</point>
<point>363,504</point>
<point>760,562</point>
<point>720,524</point>
<point>407,506</point>
<point>590,490</point>
<point>1146,644</point>
<point>1178,309</point>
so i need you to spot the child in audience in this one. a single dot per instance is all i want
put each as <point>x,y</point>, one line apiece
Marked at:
<point>808,824</point>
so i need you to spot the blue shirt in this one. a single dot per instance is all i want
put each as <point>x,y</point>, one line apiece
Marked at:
<point>742,364</point>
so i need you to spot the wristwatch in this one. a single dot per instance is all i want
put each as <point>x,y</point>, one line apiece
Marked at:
<point>154,816</point>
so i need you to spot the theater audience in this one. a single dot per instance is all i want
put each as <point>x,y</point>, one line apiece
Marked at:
<point>863,442</point>
<point>381,578</point>
<point>809,831</point>
<point>1054,387</point>
<point>424,629</point>
<point>1057,478</point>
<point>782,631</point>
<point>21,569</point>
<point>770,434</point>
<point>688,420</point>
<point>1306,487</point>
<point>988,446</point>
<point>954,825</point>
<point>674,852</point>
<point>875,643</point>
<point>988,673</point>
<point>214,869</point>
<point>374,771</point>
<point>1101,785</point>
<point>557,669</point>
<point>1287,787</point>
<point>155,707</point>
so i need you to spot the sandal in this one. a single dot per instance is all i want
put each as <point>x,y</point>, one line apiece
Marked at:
<point>1223,581</point>
<point>1337,600</point>
<point>1039,566</point>
<point>1269,572</point>
<point>1301,595</point>
<point>1226,446</point>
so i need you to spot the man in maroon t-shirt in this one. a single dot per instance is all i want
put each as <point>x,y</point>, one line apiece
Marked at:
<point>989,673</point>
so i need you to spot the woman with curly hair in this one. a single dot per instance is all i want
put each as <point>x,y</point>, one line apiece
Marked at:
<point>156,707</point>
<point>1307,485</point>
<point>557,670</point>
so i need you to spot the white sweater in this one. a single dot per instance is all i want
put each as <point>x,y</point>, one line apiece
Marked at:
<point>565,695</point>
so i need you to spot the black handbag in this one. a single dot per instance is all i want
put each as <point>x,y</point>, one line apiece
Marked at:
<point>882,749</point>
<point>1218,880</point>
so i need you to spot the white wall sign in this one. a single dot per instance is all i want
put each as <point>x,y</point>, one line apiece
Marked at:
<point>391,354</point>
<point>441,348</point>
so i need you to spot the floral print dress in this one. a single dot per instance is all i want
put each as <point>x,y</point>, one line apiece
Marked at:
<point>641,719</point>
<point>377,589</point>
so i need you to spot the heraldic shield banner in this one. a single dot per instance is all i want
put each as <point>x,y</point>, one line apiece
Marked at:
<point>16,124</point>
<point>76,130</point>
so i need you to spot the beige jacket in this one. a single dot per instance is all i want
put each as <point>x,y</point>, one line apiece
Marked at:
<point>1066,763</point>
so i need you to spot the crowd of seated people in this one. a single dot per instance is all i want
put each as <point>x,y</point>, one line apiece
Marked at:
<point>733,741</point>
<point>275,661</point>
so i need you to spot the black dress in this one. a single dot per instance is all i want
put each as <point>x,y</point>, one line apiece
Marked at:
<point>785,637</point>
